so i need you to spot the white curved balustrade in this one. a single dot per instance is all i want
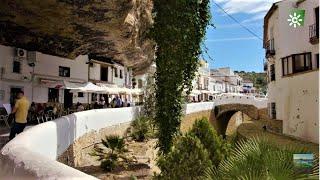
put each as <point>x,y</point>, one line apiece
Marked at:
<point>34,152</point>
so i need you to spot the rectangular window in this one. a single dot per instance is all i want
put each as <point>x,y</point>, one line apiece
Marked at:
<point>16,67</point>
<point>272,73</point>
<point>296,63</point>
<point>284,66</point>
<point>301,62</point>
<point>115,72</point>
<point>64,71</point>
<point>104,74</point>
<point>53,95</point>
<point>80,94</point>
<point>121,75</point>
<point>290,69</point>
<point>273,114</point>
<point>317,61</point>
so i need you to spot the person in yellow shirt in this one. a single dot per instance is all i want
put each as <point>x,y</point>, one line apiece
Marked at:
<point>20,110</point>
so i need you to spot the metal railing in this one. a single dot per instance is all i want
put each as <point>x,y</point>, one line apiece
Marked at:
<point>269,46</point>
<point>265,65</point>
<point>313,31</point>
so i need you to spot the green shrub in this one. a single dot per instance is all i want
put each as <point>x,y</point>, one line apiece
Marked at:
<point>217,147</point>
<point>140,128</point>
<point>111,153</point>
<point>188,159</point>
<point>108,164</point>
<point>261,159</point>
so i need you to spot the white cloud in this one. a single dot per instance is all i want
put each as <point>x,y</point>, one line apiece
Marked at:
<point>254,18</point>
<point>236,25</point>
<point>232,39</point>
<point>245,6</point>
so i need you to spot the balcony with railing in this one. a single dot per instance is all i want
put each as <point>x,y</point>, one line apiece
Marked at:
<point>265,65</point>
<point>314,34</point>
<point>270,50</point>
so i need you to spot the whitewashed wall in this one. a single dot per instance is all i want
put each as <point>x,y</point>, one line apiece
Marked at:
<point>38,147</point>
<point>47,66</point>
<point>296,96</point>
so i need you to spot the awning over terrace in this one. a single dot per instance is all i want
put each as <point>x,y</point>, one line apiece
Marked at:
<point>113,89</point>
<point>83,87</point>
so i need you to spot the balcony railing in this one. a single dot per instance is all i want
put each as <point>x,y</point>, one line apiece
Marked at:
<point>265,65</point>
<point>269,46</point>
<point>314,34</point>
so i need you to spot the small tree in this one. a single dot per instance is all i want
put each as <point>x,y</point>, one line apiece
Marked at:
<point>217,147</point>
<point>140,128</point>
<point>149,106</point>
<point>188,159</point>
<point>111,154</point>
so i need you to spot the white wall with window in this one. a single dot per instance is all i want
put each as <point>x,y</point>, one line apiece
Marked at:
<point>36,75</point>
<point>293,75</point>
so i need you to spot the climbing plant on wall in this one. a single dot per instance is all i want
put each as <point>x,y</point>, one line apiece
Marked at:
<point>179,27</point>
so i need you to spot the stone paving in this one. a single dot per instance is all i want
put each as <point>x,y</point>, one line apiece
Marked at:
<point>254,129</point>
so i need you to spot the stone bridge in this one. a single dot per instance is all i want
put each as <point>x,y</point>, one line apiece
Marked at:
<point>227,105</point>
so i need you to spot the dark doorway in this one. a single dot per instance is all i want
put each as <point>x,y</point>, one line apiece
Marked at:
<point>53,95</point>
<point>67,99</point>
<point>13,95</point>
<point>106,99</point>
<point>104,74</point>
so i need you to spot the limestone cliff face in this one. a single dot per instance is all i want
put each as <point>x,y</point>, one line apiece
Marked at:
<point>114,29</point>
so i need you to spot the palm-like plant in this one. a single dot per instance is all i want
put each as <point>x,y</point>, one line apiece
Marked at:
<point>261,159</point>
<point>140,128</point>
<point>111,153</point>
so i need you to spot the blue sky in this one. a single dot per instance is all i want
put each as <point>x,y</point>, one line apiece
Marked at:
<point>230,45</point>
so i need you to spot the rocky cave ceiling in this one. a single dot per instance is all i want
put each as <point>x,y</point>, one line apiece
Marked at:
<point>113,29</point>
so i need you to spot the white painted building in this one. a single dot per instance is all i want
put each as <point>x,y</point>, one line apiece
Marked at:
<point>227,80</point>
<point>292,65</point>
<point>41,82</point>
<point>109,74</point>
<point>44,78</point>
<point>141,82</point>
<point>200,84</point>
<point>247,86</point>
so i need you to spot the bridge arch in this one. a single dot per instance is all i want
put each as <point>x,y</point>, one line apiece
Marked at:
<point>223,114</point>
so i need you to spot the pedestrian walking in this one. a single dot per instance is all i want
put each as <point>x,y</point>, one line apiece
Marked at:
<point>20,110</point>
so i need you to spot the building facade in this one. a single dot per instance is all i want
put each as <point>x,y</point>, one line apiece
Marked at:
<point>109,74</point>
<point>226,80</point>
<point>47,79</point>
<point>292,65</point>
<point>247,86</point>
<point>40,76</point>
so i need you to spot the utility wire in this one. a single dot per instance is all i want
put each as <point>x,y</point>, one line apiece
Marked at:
<point>234,19</point>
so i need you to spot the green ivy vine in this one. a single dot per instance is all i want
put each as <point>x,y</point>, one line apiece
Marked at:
<point>179,28</point>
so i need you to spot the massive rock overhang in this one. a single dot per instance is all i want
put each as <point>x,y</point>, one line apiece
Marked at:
<point>114,29</point>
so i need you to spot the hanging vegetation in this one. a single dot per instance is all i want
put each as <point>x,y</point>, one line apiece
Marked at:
<point>179,27</point>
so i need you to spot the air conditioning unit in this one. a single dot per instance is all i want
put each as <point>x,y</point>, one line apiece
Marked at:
<point>21,53</point>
